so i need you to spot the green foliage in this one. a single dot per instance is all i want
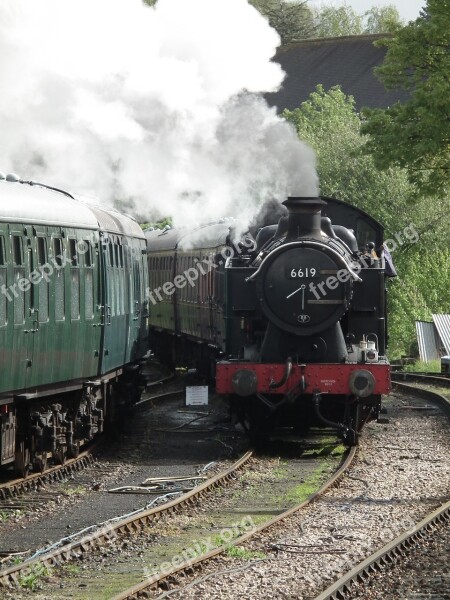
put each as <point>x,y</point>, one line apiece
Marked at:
<point>382,19</point>
<point>416,134</point>
<point>291,19</point>
<point>237,552</point>
<point>166,221</point>
<point>31,579</point>
<point>329,122</point>
<point>337,21</point>
<point>422,288</point>
<point>150,2</point>
<point>332,21</point>
<point>433,366</point>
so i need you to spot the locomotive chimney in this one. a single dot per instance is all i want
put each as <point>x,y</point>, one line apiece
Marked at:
<point>304,217</point>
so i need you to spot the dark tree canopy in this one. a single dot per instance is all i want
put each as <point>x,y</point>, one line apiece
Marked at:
<point>416,134</point>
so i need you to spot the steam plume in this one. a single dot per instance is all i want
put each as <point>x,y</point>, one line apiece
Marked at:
<point>158,109</point>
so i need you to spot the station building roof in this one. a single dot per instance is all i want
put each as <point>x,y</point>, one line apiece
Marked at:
<point>344,61</point>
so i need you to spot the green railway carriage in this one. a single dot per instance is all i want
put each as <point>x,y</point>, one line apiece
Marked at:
<point>72,320</point>
<point>186,281</point>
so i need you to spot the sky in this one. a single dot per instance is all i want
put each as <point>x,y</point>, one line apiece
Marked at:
<point>408,9</point>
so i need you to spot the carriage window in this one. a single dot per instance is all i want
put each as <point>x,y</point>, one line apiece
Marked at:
<point>2,251</point>
<point>43,283</point>
<point>41,251</point>
<point>111,254</point>
<point>17,248</point>
<point>59,295</point>
<point>73,253</point>
<point>3,273</point>
<point>43,300</point>
<point>2,298</point>
<point>58,251</point>
<point>87,247</point>
<point>19,299</point>
<point>75,294</point>
<point>88,295</point>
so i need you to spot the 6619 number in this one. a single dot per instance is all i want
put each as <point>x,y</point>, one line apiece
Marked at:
<point>302,272</point>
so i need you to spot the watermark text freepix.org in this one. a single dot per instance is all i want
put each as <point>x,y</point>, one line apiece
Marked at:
<point>201,267</point>
<point>56,263</point>
<point>409,234</point>
<point>203,546</point>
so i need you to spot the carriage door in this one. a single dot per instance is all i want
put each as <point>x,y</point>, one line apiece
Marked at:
<point>113,339</point>
<point>22,308</point>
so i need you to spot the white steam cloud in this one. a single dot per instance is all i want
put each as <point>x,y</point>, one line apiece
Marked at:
<point>157,107</point>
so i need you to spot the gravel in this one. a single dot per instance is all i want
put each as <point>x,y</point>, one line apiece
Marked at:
<point>423,573</point>
<point>401,474</point>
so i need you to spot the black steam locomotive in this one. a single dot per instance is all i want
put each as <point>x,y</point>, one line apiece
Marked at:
<point>292,324</point>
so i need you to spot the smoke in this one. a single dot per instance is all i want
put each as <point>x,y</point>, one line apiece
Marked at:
<point>156,109</point>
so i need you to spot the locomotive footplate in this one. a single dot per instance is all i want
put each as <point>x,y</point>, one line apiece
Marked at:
<point>331,378</point>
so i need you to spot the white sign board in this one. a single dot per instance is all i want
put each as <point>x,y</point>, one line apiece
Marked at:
<point>196,395</point>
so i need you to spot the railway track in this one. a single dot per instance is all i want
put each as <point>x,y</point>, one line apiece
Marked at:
<point>184,572</point>
<point>15,488</point>
<point>397,550</point>
<point>169,579</point>
<point>131,524</point>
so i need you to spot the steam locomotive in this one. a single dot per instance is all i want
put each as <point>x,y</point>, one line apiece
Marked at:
<point>291,325</point>
<point>72,321</point>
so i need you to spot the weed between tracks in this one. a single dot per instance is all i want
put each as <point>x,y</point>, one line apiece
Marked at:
<point>30,580</point>
<point>243,553</point>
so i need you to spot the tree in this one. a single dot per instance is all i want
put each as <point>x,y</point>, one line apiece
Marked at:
<point>291,19</point>
<point>416,134</point>
<point>332,21</point>
<point>329,122</point>
<point>383,19</point>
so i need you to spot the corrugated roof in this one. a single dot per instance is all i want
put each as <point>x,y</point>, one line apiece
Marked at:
<point>428,340</point>
<point>344,61</point>
<point>442,323</point>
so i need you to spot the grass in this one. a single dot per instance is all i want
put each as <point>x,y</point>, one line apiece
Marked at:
<point>236,552</point>
<point>338,450</point>
<point>304,490</point>
<point>72,569</point>
<point>31,579</point>
<point>433,366</point>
